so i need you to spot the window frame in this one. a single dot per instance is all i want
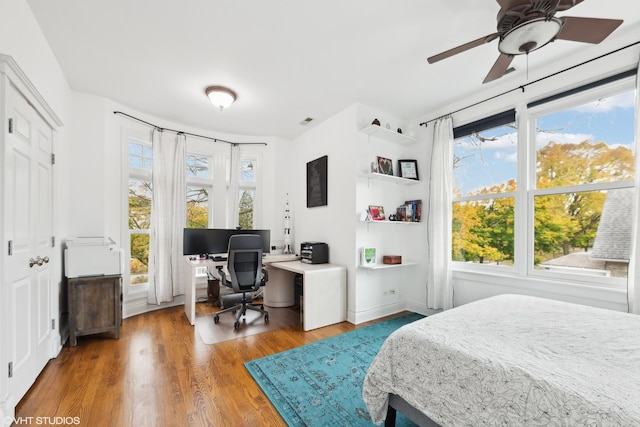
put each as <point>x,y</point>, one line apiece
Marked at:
<point>497,268</point>
<point>208,182</point>
<point>143,175</point>
<point>248,186</point>
<point>217,183</point>
<point>526,192</point>
<point>255,155</point>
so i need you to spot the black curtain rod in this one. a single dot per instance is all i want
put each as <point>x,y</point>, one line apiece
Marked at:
<point>425,123</point>
<point>179,132</point>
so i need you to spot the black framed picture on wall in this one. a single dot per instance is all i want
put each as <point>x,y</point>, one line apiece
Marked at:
<point>317,182</point>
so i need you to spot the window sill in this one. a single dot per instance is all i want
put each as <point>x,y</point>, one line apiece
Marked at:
<point>504,282</point>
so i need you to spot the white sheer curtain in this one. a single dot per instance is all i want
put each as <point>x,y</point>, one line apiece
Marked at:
<point>234,186</point>
<point>168,218</point>
<point>633,282</point>
<point>439,283</point>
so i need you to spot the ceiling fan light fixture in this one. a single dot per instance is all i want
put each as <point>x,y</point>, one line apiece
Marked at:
<point>529,36</point>
<point>220,96</point>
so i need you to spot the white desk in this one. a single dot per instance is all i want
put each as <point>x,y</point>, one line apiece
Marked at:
<point>324,292</point>
<point>190,280</point>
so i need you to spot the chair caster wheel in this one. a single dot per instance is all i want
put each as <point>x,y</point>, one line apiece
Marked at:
<point>236,325</point>
<point>216,319</point>
<point>266,318</point>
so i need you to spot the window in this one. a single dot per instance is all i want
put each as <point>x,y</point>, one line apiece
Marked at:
<point>198,189</point>
<point>550,194</point>
<point>584,158</point>
<point>140,198</point>
<point>247,193</point>
<point>207,186</point>
<point>484,174</point>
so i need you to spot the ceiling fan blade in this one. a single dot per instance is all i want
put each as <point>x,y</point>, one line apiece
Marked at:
<point>462,48</point>
<point>587,30</point>
<point>499,68</point>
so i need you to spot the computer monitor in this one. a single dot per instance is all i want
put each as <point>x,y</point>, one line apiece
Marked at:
<point>206,241</point>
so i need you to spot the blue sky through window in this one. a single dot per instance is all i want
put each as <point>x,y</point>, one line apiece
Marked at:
<point>493,160</point>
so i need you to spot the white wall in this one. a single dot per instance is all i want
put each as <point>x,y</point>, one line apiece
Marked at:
<point>333,224</point>
<point>383,292</point>
<point>21,38</point>
<point>349,154</point>
<point>88,147</point>
<point>277,167</point>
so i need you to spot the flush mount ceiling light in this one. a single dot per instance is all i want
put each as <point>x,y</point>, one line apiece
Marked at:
<point>222,97</point>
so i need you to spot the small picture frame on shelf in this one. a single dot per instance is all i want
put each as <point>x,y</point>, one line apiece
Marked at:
<point>385,166</point>
<point>408,169</point>
<point>376,213</point>
<point>368,256</point>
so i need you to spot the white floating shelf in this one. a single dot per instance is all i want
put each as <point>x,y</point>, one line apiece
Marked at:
<point>391,222</point>
<point>390,178</point>
<point>384,266</point>
<point>388,134</point>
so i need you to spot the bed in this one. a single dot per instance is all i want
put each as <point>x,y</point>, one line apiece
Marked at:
<point>511,360</point>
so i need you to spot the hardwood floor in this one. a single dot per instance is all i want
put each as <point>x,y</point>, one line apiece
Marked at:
<point>160,373</point>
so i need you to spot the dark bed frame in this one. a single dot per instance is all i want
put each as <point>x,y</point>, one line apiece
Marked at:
<point>396,403</point>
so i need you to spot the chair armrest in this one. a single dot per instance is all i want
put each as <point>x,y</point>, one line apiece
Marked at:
<point>265,276</point>
<point>223,276</point>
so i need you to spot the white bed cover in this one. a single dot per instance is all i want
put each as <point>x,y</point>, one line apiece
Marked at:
<point>513,361</point>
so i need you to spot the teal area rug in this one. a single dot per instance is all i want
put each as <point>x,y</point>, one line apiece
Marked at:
<point>320,384</point>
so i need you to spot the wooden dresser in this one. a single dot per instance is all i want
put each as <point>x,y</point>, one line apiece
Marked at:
<point>95,306</point>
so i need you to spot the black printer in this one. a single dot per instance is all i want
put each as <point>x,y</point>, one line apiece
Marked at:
<point>314,253</point>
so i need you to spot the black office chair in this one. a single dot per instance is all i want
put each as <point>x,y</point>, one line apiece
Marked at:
<point>244,262</point>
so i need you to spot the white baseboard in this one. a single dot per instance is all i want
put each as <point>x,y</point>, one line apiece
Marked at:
<point>55,344</point>
<point>7,411</point>
<point>139,305</point>
<point>420,308</point>
<point>376,313</point>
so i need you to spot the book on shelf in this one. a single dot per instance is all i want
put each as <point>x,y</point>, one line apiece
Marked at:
<point>416,210</point>
<point>401,213</point>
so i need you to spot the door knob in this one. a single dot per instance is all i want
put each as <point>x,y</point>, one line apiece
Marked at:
<point>38,261</point>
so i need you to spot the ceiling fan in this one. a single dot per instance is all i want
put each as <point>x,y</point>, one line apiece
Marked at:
<point>528,25</point>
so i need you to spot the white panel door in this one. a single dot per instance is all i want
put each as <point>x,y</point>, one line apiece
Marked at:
<point>28,228</point>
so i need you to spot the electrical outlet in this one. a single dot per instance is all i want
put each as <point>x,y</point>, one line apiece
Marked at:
<point>389,292</point>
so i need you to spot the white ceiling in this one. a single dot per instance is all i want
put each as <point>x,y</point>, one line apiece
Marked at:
<point>292,59</point>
